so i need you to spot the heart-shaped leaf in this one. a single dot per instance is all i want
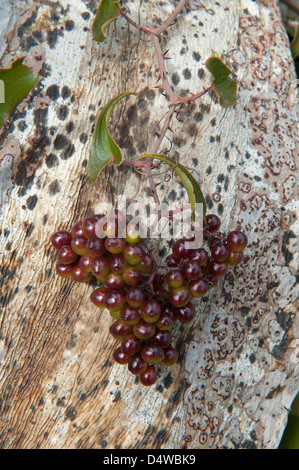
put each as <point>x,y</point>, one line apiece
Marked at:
<point>192,187</point>
<point>223,84</point>
<point>15,84</point>
<point>106,13</point>
<point>104,149</point>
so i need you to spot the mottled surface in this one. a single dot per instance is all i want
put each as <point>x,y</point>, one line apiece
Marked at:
<point>238,367</point>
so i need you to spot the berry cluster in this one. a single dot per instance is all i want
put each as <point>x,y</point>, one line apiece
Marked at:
<point>144,304</point>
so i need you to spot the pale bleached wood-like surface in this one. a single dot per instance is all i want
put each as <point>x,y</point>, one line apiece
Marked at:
<point>238,369</point>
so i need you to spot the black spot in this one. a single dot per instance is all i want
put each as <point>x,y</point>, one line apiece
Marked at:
<point>31,202</point>
<point>201,73</point>
<point>65,92</point>
<point>62,112</point>
<point>168,380</point>
<point>212,139</point>
<point>85,15</point>
<point>117,396</point>
<point>60,142</point>
<point>83,138</point>
<point>196,56</point>
<point>187,74</point>
<point>22,125</point>
<point>220,209</point>
<point>209,202</point>
<point>52,37</point>
<point>288,256</point>
<point>53,92</point>
<point>257,178</point>
<point>71,413</point>
<point>51,160</point>
<point>29,230</point>
<point>209,170</point>
<point>45,219</point>
<point>29,22</point>
<point>69,25</point>
<point>54,187</point>
<point>213,122</point>
<point>104,443</point>
<point>175,78</point>
<point>252,358</point>
<point>70,127</point>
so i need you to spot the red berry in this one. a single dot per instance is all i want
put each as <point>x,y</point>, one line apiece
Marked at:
<point>200,255</point>
<point>135,296</point>
<point>76,230</point>
<point>152,352</point>
<point>85,263</point>
<point>186,313</point>
<point>170,356</point>
<point>174,278</point>
<point>218,269</point>
<point>79,274</point>
<point>115,245</point>
<point>130,315</point>
<point>119,330</point>
<point>95,246</point>
<point>149,377</point>
<point>60,239</point>
<point>151,311</point>
<point>191,270</point>
<point>66,255</point>
<point>115,300</point>
<point>132,276</point>
<point>180,249</point>
<point>212,223</point>
<point>162,338</point>
<point>78,245</point>
<point>100,266</point>
<point>236,241</point>
<point>144,330</point>
<point>130,344</point>
<point>179,296</point>
<point>98,296</point>
<point>137,365</point>
<point>235,257</point>
<point>89,227</point>
<point>219,252</point>
<point>199,287</point>
<point>64,270</point>
<point>120,357</point>
<point>114,281</point>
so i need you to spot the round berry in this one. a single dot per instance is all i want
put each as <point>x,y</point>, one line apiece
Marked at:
<point>172,261</point>
<point>95,246</point>
<point>132,276</point>
<point>149,377</point>
<point>85,263</point>
<point>137,365</point>
<point>114,281</point>
<point>89,227</point>
<point>120,357</point>
<point>98,297</point>
<point>133,254</point>
<point>235,257</point>
<point>130,344</point>
<point>115,300</point>
<point>100,266</point>
<point>132,234</point>
<point>200,255</point>
<point>115,245</point>
<point>79,274</point>
<point>60,239</point>
<point>191,270</point>
<point>174,278</point>
<point>152,352</point>
<point>198,288</point>
<point>117,263</point>
<point>218,269</point>
<point>64,270</point>
<point>170,356</point>
<point>130,315</point>
<point>78,245</point>
<point>162,338</point>
<point>166,320</point>
<point>144,330</point>
<point>115,224</point>
<point>135,296</point>
<point>219,252</point>
<point>66,255</point>
<point>236,241</point>
<point>119,330</point>
<point>212,223</point>
<point>179,296</point>
<point>186,313</point>
<point>76,230</point>
<point>151,310</point>
<point>146,265</point>
<point>180,249</point>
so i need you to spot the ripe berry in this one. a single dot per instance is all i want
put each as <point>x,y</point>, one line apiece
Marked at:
<point>198,288</point>
<point>212,223</point>
<point>100,266</point>
<point>114,281</point>
<point>150,311</point>
<point>179,296</point>
<point>133,254</point>
<point>117,263</point>
<point>191,270</point>
<point>79,274</point>
<point>115,245</point>
<point>130,344</point>
<point>152,353</point>
<point>119,330</point>
<point>120,357</point>
<point>218,269</point>
<point>200,255</point>
<point>137,365</point>
<point>166,320</point>
<point>85,263</point>
<point>162,338</point>
<point>130,315</point>
<point>115,225</point>
<point>76,230</point>
<point>144,330</point>
<point>236,241</point>
<point>95,246</point>
<point>180,249</point>
<point>149,377</point>
<point>89,227</point>
<point>135,296</point>
<point>132,234</point>
<point>132,276</point>
<point>78,245</point>
<point>146,265</point>
<point>186,313</point>
<point>64,270</point>
<point>219,252</point>
<point>98,297</point>
<point>66,255</point>
<point>115,300</point>
<point>170,356</point>
<point>174,278</point>
<point>235,257</point>
<point>60,239</point>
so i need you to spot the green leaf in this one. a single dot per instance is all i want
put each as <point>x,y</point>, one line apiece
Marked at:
<point>106,13</point>
<point>223,84</point>
<point>15,84</point>
<point>191,185</point>
<point>104,149</point>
